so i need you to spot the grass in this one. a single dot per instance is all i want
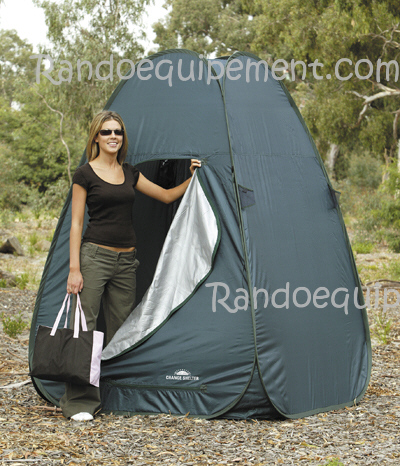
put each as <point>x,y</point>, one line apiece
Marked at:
<point>13,326</point>
<point>5,217</point>
<point>381,327</point>
<point>333,462</point>
<point>369,273</point>
<point>393,270</point>
<point>22,216</point>
<point>361,247</point>
<point>30,279</point>
<point>29,227</point>
<point>33,238</point>
<point>50,235</point>
<point>22,281</point>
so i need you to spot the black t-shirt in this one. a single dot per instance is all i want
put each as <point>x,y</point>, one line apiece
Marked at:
<point>110,207</point>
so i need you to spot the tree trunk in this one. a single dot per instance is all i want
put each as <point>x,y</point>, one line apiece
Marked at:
<point>333,154</point>
<point>388,160</point>
<point>398,155</point>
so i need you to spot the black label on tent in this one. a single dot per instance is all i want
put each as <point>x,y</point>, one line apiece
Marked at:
<point>247,198</point>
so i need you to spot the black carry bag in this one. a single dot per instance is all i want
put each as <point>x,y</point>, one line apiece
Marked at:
<point>66,355</point>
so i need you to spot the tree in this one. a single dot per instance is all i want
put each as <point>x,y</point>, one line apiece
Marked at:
<point>44,121</point>
<point>27,131</point>
<point>206,26</point>
<point>39,155</point>
<point>91,31</point>
<point>16,69</point>
<point>355,113</point>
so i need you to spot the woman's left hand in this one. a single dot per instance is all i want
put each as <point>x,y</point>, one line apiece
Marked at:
<point>195,163</point>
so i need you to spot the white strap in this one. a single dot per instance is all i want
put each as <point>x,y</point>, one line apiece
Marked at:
<point>66,315</point>
<point>79,314</point>
<point>59,315</point>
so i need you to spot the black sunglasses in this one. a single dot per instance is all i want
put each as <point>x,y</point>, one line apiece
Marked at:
<point>107,132</point>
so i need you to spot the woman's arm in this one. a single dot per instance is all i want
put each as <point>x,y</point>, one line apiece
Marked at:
<point>167,196</point>
<point>75,280</point>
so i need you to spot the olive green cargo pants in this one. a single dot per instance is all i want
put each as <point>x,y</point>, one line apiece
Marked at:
<point>109,278</point>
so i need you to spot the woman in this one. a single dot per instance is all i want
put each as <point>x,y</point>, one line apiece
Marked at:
<point>103,263</point>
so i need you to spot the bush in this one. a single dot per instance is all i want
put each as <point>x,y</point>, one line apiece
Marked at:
<point>13,326</point>
<point>55,196</point>
<point>393,241</point>
<point>384,219</point>
<point>365,171</point>
<point>371,226</point>
<point>382,327</point>
<point>13,195</point>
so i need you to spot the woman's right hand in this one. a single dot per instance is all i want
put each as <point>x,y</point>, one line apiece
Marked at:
<point>75,282</point>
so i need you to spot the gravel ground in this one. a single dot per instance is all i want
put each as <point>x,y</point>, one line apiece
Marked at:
<point>33,432</point>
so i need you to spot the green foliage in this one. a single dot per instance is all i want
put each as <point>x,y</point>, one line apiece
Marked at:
<point>40,156</point>
<point>328,31</point>
<point>308,30</point>
<point>362,247</point>
<point>12,193</point>
<point>374,213</point>
<point>5,217</point>
<point>341,168</point>
<point>90,31</point>
<point>13,326</point>
<point>33,238</point>
<point>22,281</point>
<point>365,171</point>
<point>360,204</point>
<point>206,26</point>
<point>15,66</point>
<point>33,157</point>
<point>37,118</point>
<point>384,219</point>
<point>54,198</point>
<point>333,462</point>
<point>31,151</point>
<point>379,218</point>
<point>50,235</point>
<point>382,326</point>
<point>370,224</point>
<point>393,270</point>
<point>393,241</point>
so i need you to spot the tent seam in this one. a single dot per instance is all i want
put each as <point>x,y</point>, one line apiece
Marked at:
<point>242,235</point>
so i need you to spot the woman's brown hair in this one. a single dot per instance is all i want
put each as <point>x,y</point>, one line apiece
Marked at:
<point>92,148</point>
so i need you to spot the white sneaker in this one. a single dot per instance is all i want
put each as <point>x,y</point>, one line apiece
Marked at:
<point>82,417</point>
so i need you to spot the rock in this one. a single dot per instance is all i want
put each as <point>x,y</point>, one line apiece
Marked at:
<point>9,278</point>
<point>11,246</point>
<point>43,245</point>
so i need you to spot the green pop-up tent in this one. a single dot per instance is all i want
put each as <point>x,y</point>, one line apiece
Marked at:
<point>249,301</point>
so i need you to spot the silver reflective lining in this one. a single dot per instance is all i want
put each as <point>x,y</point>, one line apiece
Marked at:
<point>185,260</point>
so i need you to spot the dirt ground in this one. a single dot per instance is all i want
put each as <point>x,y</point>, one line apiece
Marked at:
<point>33,432</point>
